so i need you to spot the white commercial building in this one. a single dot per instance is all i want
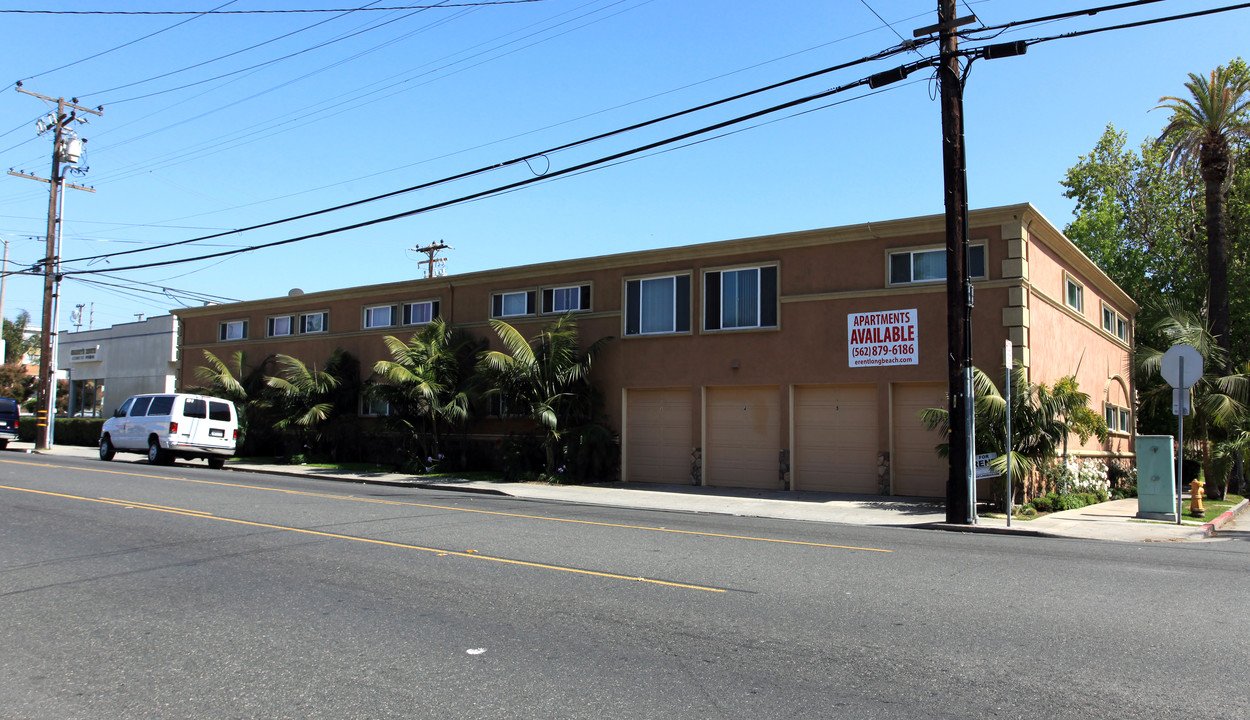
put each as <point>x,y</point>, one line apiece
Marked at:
<point>104,367</point>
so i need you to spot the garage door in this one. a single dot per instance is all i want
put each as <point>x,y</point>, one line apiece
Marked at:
<point>658,441</point>
<point>743,437</point>
<point>916,466</point>
<point>835,438</point>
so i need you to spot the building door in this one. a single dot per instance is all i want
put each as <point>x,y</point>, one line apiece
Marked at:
<point>743,437</point>
<point>915,465</point>
<point>658,445</point>
<point>835,438</point>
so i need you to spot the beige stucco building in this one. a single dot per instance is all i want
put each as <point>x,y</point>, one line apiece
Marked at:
<point>795,361</point>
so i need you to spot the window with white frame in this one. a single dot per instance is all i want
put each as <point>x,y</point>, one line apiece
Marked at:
<point>512,304</point>
<point>317,322</point>
<point>1074,294</point>
<point>232,330</point>
<point>561,300</point>
<point>929,264</point>
<point>1118,419</point>
<point>657,305</point>
<point>380,316</point>
<point>418,313</point>
<point>1114,323</point>
<point>740,298</point>
<point>281,325</point>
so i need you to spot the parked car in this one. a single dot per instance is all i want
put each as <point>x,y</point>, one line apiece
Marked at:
<point>8,421</point>
<point>169,426</point>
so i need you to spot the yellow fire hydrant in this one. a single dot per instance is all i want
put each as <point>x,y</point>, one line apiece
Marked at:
<point>1195,499</point>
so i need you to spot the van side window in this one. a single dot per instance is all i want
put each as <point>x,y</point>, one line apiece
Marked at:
<point>161,405</point>
<point>140,408</point>
<point>219,411</point>
<point>125,408</point>
<point>195,408</point>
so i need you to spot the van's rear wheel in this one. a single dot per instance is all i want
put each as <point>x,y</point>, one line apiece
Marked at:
<point>157,456</point>
<point>216,463</point>
<point>107,451</point>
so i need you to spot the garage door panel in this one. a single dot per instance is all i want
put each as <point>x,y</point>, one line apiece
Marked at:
<point>743,437</point>
<point>917,469</point>
<point>658,435</point>
<point>835,438</point>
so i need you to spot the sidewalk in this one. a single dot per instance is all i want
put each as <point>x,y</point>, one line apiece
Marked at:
<point>1114,520</point>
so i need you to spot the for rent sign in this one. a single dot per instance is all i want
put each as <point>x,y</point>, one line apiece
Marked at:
<point>882,338</point>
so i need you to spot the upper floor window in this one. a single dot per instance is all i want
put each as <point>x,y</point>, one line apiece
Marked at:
<point>281,325</point>
<point>1074,294</point>
<point>566,299</point>
<point>512,304</point>
<point>657,305</point>
<point>232,330</point>
<point>417,313</point>
<point>1117,418</point>
<point>380,316</point>
<point>745,298</point>
<point>317,322</point>
<point>1114,323</point>
<point>929,265</point>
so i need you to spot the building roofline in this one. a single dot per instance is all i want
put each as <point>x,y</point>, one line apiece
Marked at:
<point>803,238</point>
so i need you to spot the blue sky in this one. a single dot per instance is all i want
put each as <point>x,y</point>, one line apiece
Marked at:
<point>309,111</point>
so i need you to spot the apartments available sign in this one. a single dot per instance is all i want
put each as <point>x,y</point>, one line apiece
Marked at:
<point>882,338</point>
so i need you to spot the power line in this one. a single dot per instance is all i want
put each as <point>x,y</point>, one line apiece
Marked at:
<point>518,160</point>
<point>481,3</point>
<point>906,69</point>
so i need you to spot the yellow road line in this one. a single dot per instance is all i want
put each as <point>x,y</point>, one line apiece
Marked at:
<point>150,506</point>
<point>471,510</point>
<point>385,543</point>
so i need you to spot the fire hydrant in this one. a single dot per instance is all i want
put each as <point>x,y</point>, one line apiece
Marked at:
<point>1195,499</point>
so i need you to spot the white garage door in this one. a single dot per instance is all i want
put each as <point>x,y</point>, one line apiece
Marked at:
<point>917,469</point>
<point>743,437</point>
<point>657,435</point>
<point>835,438</point>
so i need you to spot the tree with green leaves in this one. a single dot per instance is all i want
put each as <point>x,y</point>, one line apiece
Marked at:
<point>16,342</point>
<point>1203,126</point>
<point>240,383</point>
<point>304,397</point>
<point>426,383</point>
<point>1042,418</point>
<point>1218,400</point>
<point>546,378</point>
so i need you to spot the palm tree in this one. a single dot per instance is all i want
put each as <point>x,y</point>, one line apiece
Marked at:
<point>546,378</point>
<point>1042,418</point>
<point>425,382</point>
<point>233,380</point>
<point>1218,399</point>
<point>304,397</point>
<point>1217,111</point>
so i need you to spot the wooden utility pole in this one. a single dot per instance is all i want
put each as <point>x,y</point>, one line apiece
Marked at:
<point>66,113</point>
<point>960,483</point>
<point>433,263</point>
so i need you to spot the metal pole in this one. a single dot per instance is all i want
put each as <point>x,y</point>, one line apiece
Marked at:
<point>1180,445</point>
<point>1007,393</point>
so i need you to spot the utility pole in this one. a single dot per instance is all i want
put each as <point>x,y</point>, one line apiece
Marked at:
<point>66,147</point>
<point>961,441</point>
<point>430,252</point>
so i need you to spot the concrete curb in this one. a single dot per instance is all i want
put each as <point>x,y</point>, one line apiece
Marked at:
<point>987,529</point>
<point>1209,529</point>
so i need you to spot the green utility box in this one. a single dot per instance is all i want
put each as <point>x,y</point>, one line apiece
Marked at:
<point>1156,477</point>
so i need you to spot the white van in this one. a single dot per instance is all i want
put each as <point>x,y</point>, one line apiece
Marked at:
<point>169,426</point>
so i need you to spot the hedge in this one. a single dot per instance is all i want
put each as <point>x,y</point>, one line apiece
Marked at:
<point>68,431</point>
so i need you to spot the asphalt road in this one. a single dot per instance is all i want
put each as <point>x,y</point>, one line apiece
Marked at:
<point>133,591</point>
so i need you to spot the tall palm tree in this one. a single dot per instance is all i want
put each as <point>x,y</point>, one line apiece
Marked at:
<point>546,378</point>
<point>424,382</point>
<point>1217,111</point>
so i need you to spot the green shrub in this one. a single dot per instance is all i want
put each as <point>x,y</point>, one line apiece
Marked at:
<point>84,432</point>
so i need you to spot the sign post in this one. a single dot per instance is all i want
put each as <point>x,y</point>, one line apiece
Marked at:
<point>1181,367</point>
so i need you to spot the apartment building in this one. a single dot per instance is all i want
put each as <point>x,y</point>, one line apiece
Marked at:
<point>796,361</point>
